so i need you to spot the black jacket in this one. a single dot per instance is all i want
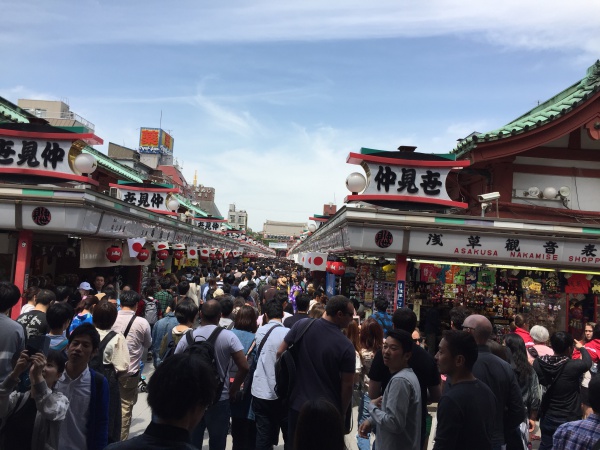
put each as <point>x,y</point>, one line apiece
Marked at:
<point>501,379</point>
<point>563,400</point>
<point>157,436</point>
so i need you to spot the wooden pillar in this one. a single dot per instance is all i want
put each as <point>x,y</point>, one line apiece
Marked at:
<point>22,267</point>
<point>400,295</point>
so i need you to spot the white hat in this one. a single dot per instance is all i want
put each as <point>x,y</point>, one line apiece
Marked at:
<point>85,286</point>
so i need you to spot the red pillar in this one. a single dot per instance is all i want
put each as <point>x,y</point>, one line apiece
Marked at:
<point>401,266</point>
<point>22,267</point>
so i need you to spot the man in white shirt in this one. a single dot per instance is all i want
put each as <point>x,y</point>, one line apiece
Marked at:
<point>86,422</point>
<point>139,338</point>
<point>270,414</point>
<point>228,350</point>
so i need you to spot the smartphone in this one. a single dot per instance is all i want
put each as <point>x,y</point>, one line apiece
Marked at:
<point>38,344</point>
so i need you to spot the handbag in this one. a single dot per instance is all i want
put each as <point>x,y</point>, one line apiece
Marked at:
<point>285,367</point>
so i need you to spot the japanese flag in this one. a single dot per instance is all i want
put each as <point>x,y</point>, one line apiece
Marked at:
<point>179,246</point>
<point>161,246</point>
<point>318,261</point>
<point>213,251</point>
<point>135,245</point>
<point>307,260</point>
<point>204,252</point>
<point>192,252</point>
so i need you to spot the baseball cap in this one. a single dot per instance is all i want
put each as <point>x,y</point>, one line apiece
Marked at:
<point>85,285</point>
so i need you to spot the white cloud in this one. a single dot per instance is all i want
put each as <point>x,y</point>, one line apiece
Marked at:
<point>535,24</point>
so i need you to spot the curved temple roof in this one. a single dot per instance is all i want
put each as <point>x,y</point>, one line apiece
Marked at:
<point>559,105</point>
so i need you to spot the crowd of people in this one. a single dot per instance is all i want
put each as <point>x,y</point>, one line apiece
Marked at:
<point>72,364</point>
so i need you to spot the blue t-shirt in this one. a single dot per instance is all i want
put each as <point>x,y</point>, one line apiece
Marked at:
<point>79,319</point>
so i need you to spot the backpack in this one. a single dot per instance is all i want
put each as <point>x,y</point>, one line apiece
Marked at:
<point>151,310</point>
<point>285,367</point>
<point>253,363</point>
<point>261,286</point>
<point>205,349</point>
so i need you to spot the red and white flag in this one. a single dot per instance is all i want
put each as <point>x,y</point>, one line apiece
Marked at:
<point>319,261</point>
<point>161,246</point>
<point>178,246</point>
<point>192,252</point>
<point>135,245</point>
<point>204,252</point>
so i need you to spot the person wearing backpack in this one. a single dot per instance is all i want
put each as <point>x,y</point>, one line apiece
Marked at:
<point>139,338</point>
<point>150,307</point>
<point>111,360</point>
<point>325,360</point>
<point>269,411</point>
<point>185,315</point>
<point>224,348</point>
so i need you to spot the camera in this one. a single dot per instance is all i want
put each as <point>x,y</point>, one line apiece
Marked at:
<point>489,196</point>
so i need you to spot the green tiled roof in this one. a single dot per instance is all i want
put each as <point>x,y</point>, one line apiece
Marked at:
<point>108,163</point>
<point>188,204</point>
<point>559,105</point>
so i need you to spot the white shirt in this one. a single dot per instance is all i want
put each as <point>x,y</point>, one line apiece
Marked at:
<point>138,338</point>
<point>73,431</point>
<point>263,383</point>
<point>285,316</point>
<point>226,345</point>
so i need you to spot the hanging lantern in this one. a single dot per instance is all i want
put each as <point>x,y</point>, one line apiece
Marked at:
<point>212,256</point>
<point>178,254</point>
<point>337,268</point>
<point>143,255</point>
<point>114,253</point>
<point>162,254</point>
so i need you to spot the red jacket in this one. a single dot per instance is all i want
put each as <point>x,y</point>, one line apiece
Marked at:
<point>525,335</point>
<point>593,348</point>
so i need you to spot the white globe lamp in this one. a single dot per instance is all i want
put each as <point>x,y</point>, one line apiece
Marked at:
<point>85,163</point>
<point>312,227</point>
<point>550,193</point>
<point>172,204</point>
<point>356,183</point>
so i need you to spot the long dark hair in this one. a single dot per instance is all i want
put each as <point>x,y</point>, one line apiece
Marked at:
<point>523,369</point>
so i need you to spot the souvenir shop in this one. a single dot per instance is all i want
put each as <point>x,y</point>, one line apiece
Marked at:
<point>480,265</point>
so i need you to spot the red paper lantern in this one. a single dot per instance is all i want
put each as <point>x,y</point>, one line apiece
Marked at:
<point>337,268</point>
<point>162,254</point>
<point>212,256</point>
<point>143,254</point>
<point>114,253</point>
<point>178,254</point>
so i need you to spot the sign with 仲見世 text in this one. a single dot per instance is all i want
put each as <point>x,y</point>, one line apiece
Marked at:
<point>405,180</point>
<point>154,200</point>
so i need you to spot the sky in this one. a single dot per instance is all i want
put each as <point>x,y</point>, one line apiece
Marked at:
<point>265,99</point>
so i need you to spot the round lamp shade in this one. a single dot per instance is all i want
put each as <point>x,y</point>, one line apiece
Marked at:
<point>356,182</point>
<point>178,254</point>
<point>312,227</point>
<point>162,254</point>
<point>85,163</point>
<point>172,204</point>
<point>550,193</point>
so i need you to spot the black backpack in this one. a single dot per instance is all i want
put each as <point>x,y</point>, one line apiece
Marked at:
<point>205,349</point>
<point>285,367</point>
